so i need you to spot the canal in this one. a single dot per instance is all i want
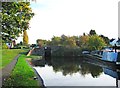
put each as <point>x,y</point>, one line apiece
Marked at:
<point>75,72</point>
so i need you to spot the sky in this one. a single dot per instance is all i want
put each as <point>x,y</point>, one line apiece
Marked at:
<point>73,17</point>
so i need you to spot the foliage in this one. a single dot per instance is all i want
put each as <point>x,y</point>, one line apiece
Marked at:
<point>22,75</point>
<point>67,41</point>
<point>64,40</point>
<point>25,37</point>
<point>106,39</point>
<point>95,42</point>
<point>21,43</point>
<point>83,41</point>
<point>4,46</point>
<point>56,40</point>
<point>90,41</point>
<point>92,32</point>
<point>15,19</point>
<point>67,52</point>
<point>71,42</point>
<point>41,42</point>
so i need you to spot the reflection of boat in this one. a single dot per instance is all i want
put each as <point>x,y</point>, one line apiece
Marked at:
<point>114,74</point>
<point>108,70</point>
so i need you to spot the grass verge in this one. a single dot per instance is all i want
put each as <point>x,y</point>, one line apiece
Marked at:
<point>22,75</point>
<point>34,57</point>
<point>8,55</point>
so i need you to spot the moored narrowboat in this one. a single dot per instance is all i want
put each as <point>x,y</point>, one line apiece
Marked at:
<point>111,56</point>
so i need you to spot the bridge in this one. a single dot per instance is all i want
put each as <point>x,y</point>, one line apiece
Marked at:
<point>46,49</point>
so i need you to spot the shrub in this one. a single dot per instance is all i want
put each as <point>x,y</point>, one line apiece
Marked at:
<point>67,52</point>
<point>4,46</point>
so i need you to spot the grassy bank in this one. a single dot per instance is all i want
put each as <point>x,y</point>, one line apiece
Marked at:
<point>22,75</point>
<point>8,55</point>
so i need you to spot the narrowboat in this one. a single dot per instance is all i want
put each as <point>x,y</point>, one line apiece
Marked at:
<point>107,57</point>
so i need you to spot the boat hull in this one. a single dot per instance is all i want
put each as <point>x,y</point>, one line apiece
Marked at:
<point>99,61</point>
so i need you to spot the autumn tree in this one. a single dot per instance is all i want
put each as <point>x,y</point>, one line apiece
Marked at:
<point>63,40</point>
<point>95,42</point>
<point>83,41</point>
<point>25,37</point>
<point>71,42</point>
<point>15,19</point>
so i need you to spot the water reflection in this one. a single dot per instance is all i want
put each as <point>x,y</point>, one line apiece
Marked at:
<point>114,74</point>
<point>70,66</point>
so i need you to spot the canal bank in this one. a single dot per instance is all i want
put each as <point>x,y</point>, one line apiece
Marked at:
<point>5,72</point>
<point>22,75</point>
<point>37,77</point>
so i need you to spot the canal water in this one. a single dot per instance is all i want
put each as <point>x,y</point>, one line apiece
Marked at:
<point>75,72</point>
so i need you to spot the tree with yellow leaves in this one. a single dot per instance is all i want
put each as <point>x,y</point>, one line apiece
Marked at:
<point>25,37</point>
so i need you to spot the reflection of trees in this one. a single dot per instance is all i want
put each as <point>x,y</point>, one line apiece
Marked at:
<point>74,65</point>
<point>95,71</point>
<point>70,69</point>
<point>65,65</point>
<point>89,68</point>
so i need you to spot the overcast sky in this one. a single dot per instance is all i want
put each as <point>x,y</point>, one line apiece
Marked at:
<point>73,17</point>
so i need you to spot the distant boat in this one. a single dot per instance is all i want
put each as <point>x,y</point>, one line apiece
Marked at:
<point>112,56</point>
<point>108,57</point>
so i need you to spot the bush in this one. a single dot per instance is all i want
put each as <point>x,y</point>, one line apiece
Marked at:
<point>67,52</point>
<point>4,46</point>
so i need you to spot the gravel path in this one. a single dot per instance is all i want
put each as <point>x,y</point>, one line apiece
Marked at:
<point>5,72</point>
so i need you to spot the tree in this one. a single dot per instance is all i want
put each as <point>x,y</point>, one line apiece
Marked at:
<point>92,32</point>
<point>84,34</point>
<point>95,42</point>
<point>106,39</point>
<point>63,40</point>
<point>15,19</point>
<point>83,41</point>
<point>68,41</point>
<point>41,42</point>
<point>71,42</point>
<point>56,40</point>
<point>25,37</point>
